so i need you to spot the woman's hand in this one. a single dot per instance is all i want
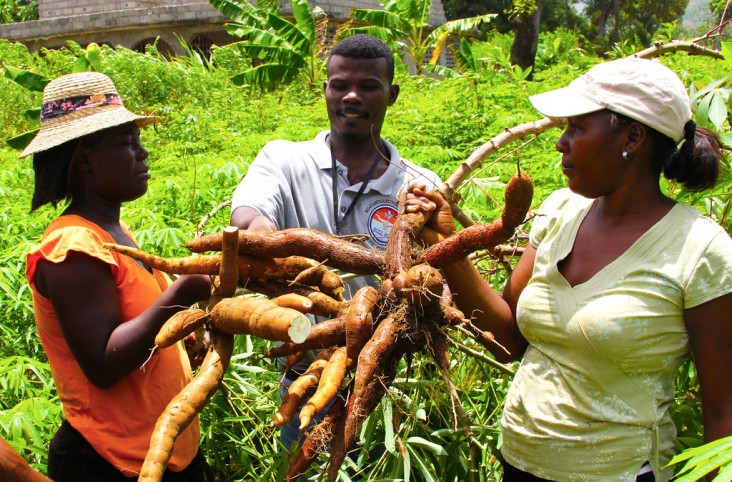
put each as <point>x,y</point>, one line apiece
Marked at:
<point>197,344</point>
<point>441,224</point>
<point>191,288</point>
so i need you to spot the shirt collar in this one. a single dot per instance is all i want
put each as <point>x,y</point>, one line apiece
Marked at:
<point>383,184</point>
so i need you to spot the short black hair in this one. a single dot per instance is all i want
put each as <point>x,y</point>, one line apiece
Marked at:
<point>54,174</point>
<point>363,46</point>
<point>56,179</point>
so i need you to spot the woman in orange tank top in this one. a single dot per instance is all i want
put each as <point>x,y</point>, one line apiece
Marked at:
<point>98,312</point>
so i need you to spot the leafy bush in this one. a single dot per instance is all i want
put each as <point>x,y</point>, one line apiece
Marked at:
<point>18,11</point>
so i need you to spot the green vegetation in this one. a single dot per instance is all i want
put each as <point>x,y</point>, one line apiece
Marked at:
<point>210,130</point>
<point>406,25</point>
<point>286,50</point>
<point>18,11</point>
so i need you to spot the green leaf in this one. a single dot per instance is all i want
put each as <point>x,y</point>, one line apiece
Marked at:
<point>407,466</point>
<point>464,24</point>
<point>717,110</point>
<point>703,459</point>
<point>726,138</point>
<point>265,76</point>
<point>304,19</point>
<point>724,475</point>
<point>291,34</point>
<point>93,55</point>
<point>29,80</point>
<point>387,35</point>
<point>388,413</point>
<point>702,110</point>
<point>81,65</point>
<point>21,141</point>
<point>420,463</point>
<point>378,18</point>
<point>33,115</point>
<point>269,47</point>
<point>727,52</point>
<point>237,11</point>
<point>704,466</point>
<point>442,71</point>
<point>437,449</point>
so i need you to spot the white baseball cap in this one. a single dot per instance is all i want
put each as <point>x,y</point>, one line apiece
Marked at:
<point>644,90</point>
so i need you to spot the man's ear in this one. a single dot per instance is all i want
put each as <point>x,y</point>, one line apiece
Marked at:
<point>393,93</point>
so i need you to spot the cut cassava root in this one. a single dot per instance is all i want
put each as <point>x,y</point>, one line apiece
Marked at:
<point>260,317</point>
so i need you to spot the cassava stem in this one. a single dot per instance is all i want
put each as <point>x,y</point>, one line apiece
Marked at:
<point>229,270</point>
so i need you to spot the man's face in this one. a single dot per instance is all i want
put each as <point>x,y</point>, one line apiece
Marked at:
<point>357,94</point>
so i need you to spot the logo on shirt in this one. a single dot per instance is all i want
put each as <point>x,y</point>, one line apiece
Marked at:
<point>381,219</point>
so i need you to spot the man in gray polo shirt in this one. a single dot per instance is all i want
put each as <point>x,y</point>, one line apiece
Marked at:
<point>346,180</point>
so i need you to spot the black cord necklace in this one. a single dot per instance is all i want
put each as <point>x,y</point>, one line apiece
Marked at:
<point>366,180</point>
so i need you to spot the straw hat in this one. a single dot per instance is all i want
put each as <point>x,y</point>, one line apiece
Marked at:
<point>78,104</point>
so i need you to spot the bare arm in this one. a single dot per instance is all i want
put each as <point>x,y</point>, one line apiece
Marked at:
<point>472,294</point>
<point>710,335</point>
<point>84,295</point>
<point>489,310</point>
<point>13,468</point>
<point>245,217</point>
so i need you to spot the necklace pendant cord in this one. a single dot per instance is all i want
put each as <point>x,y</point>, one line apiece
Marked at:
<point>364,183</point>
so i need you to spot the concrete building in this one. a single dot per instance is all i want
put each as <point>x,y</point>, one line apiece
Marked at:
<point>136,23</point>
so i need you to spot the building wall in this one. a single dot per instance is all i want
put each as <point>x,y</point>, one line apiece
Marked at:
<point>134,23</point>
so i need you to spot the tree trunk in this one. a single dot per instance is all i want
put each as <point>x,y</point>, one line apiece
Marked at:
<point>526,39</point>
<point>602,23</point>
<point>616,28</point>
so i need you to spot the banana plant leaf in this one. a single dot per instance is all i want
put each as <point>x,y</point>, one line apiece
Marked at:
<point>21,141</point>
<point>26,78</point>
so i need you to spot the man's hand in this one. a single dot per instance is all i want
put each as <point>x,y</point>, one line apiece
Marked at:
<point>261,223</point>
<point>245,217</point>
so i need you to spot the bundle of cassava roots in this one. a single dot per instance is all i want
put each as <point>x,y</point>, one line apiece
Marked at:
<point>360,344</point>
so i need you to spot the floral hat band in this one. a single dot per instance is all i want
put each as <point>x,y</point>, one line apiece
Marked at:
<point>79,104</point>
<point>58,108</point>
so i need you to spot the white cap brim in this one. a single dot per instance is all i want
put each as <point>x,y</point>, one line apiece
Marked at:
<point>563,103</point>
